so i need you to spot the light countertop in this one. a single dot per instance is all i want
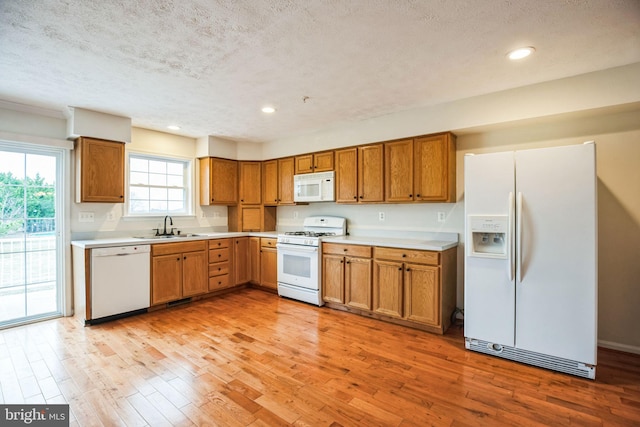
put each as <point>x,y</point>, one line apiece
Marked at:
<point>420,244</point>
<point>130,241</point>
<point>390,242</point>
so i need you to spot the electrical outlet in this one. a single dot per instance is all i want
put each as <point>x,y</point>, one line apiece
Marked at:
<point>111,216</point>
<point>295,214</point>
<point>380,216</point>
<point>442,217</point>
<point>216,214</point>
<point>203,214</point>
<point>85,217</point>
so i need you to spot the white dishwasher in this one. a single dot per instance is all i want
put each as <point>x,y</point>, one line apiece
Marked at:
<point>120,281</point>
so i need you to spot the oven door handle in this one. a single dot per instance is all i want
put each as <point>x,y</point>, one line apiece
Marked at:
<point>296,248</point>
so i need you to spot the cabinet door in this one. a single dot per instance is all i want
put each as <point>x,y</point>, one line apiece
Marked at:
<point>333,278</point>
<point>323,162</point>
<point>347,175</point>
<point>285,181</point>
<point>422,294</point>
<point>166,278</point>
<point>194,273</point>
<point>254,260</point>
<point>224,181</point>
<point>270,183</point>
<point>304,164</point>
<point>251,218</point>
<point>387,288</point>
<point>398,169</point>
<point>357,278</point>
<point>250,183</point>
<point>269,268</point>
<point>241,260</point>
<point>370,173</point>
<point>435,168</point>
<point>101,166</point>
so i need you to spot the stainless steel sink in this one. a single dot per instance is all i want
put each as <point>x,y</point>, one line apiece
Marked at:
<point>173,236</point>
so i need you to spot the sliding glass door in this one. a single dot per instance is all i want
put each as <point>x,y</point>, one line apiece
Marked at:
<point>31,284</point>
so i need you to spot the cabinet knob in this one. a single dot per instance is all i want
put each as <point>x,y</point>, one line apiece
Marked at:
<point>362,197</point>
<point>348,262</point>
<point>404,255</point>
<point>177,259</point>
<point>355,197</point>
<point>242,200</point>
<point>310,167</point>
<point>410,195</point>
<point>219,255</point>
<point>408,269</point>
<point>399,268</point>
<point>121,196</point>
<point>184,257</point>
<point>417,195</point>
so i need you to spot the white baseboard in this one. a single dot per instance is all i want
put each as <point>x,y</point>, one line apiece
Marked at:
<point>620,347</point>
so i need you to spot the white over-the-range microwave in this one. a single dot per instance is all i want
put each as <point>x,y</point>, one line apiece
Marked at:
<point>314,187</point>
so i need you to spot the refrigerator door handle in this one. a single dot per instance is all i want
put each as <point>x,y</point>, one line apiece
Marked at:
<point>511,265</point>
<point>519,221</point>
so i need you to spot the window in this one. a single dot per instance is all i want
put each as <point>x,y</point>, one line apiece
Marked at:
<point>159,186</point>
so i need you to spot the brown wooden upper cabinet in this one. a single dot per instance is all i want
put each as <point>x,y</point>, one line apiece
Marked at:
<point>435,168</point>
<point>277,182</point>
<point>315,162</point>
<point>359,174</point>
<point>420,169</point>
<point>99,170</point>
<point>398,180</point>
<point>218,181</point>
<point>370,173</point>
<point>250,183</point>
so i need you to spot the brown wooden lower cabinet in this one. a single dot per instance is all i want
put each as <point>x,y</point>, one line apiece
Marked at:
<point>268,263</point>
<point>178,270</point>
<point>411,287</point>
<point>347,274</point>
<point>220,264</point>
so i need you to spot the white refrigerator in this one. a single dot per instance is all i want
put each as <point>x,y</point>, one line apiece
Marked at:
<point>530,291</point>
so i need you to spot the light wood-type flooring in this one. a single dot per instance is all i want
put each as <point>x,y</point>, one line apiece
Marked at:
<point>252,358</point>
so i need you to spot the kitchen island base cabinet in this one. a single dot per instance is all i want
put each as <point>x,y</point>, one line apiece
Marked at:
<point>414,288</point>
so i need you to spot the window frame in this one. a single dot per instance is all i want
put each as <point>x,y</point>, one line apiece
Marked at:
<point>189,178</point>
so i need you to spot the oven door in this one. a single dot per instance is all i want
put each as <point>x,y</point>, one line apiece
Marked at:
<point>298,265</point>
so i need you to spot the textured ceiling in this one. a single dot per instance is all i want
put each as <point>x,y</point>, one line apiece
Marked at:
<point>209,66</point>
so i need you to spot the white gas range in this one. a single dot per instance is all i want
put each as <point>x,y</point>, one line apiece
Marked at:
<point>300,258</point>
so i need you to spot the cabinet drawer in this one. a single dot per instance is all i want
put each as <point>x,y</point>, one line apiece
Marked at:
<point>267,242</point>
<point>219,243</point>
<point>407,255</point>
<point>219,282</point>
<point>219,255</point>
<point>177,248</point>
<point>218,269</point>
<point>349,250</point>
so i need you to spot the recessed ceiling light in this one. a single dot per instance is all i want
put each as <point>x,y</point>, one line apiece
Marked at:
<point>520,53</point>
<point>268,110</point>
<point>173,127</point>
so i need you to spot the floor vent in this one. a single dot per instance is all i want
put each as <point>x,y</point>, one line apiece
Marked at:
<point>553,363</point>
